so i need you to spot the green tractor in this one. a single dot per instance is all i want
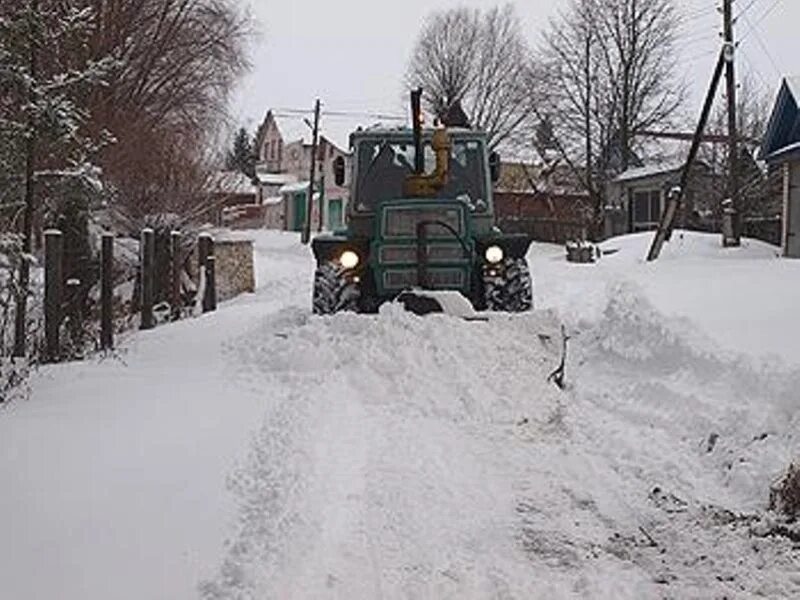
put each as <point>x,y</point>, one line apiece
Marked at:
<point>420,219</point>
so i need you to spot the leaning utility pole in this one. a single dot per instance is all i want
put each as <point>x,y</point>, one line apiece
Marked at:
<point>733,151</point>
<point>676,195</point>
<point>306,235</point>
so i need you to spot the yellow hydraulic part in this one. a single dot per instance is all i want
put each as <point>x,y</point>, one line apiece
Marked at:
<point>422,185</point>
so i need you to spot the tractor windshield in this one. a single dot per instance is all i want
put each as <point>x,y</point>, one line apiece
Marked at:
<point>383,165</point>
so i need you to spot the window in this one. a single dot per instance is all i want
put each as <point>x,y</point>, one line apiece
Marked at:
<point>646,209</point>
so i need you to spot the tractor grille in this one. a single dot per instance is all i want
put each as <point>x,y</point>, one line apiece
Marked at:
<point>398,255</point>
<point>401,221</point>
<point>398,279</point>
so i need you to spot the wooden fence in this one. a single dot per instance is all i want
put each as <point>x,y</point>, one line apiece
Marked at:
<point>60,301</point>
<point>555,231</point>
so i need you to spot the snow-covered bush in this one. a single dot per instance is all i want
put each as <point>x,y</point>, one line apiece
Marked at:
<point>14,371</point>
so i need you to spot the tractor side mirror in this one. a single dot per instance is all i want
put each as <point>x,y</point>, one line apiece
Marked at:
<point>494,166</point>
<point>338,170</point>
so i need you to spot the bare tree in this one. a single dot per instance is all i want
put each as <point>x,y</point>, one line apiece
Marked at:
<point>610,69</point>
<point>478,60</point>
<point>168,101</point>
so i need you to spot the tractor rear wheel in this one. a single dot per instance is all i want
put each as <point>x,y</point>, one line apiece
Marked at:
<point>334,291</point>
<point>508,287</point>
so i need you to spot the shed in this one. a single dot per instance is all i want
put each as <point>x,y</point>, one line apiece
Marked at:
<point>781,149</point>
<point>636,198</point>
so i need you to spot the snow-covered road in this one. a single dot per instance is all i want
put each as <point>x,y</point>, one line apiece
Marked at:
<point>399,457</point>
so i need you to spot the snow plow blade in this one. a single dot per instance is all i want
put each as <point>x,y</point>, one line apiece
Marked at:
<point>426,302</point>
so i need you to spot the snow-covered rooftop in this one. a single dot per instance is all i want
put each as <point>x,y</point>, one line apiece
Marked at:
<point>659,168</point>
<point>300,186</point>
<point>785,151</point>
<point>231,182</point>
<point>793,83</point>
<point>275,178</point>
<point>335,129</point>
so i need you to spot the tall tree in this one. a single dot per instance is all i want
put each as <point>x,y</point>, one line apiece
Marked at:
<point>241,157</point>
<point>46,80</point>
<point>478,60</point>
<point>610,72</point>
<point>167,105</point>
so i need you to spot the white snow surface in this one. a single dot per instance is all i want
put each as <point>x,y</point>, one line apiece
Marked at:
<point>261,452</point>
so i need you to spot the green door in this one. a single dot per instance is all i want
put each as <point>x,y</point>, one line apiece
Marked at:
<point>299,211</point>
<point>335,214</point>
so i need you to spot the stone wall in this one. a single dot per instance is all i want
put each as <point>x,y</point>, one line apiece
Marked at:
<point>235,269</point>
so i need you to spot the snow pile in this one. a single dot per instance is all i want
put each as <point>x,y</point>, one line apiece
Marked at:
<point>392,456</point>
<point>382,469</point>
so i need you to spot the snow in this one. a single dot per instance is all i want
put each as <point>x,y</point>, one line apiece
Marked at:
<point>275,178</point>
<point>785,151</point>
<point>651,170</point>
<point>392,456</point>
<point>231,182</point>
<point>794,86</point>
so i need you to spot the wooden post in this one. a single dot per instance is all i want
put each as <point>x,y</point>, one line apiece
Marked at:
<point>147,264</point>
<point>306,233</point>
<point>733,147</point>
<point>107,292</point>
<point>204,250</point>
<point>53,282</point>
<point>210,298</point>
<point>175,276</point>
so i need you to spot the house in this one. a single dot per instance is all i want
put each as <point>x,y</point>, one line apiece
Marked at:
<point>781,150</point>
<point>284,150</point>
<point>637,197</point>
<point>544,200</point>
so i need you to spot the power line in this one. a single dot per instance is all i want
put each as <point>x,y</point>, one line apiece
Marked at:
<point>757,22</point>
<point>301,112</point>
<point>761,43</point>
<point>746,8</point>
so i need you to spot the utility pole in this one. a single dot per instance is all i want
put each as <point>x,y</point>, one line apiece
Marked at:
<point>676,195</point>
<point>306,235</point>
<point>733,146</point>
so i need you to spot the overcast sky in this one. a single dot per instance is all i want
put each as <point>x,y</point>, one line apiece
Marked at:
<point>352,54</point>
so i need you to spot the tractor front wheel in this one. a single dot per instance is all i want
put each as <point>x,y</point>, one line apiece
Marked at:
<point>334,291</point>
<point>508,287</point>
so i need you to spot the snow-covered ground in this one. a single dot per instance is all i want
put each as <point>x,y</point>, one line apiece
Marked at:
<point>260,452</point>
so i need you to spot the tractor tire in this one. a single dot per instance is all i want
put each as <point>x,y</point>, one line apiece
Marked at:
<point>509,288</point>
<point>333,290</point>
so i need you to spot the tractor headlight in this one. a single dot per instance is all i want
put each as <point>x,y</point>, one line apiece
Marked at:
<point>349,259</point>
<point>494,254</point>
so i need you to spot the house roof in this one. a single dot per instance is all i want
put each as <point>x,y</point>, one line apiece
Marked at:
<point>783,129</point>
<point>659,168</point>
<point>275,178</point>
<point>336,129</point>
<point>231,182</point>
